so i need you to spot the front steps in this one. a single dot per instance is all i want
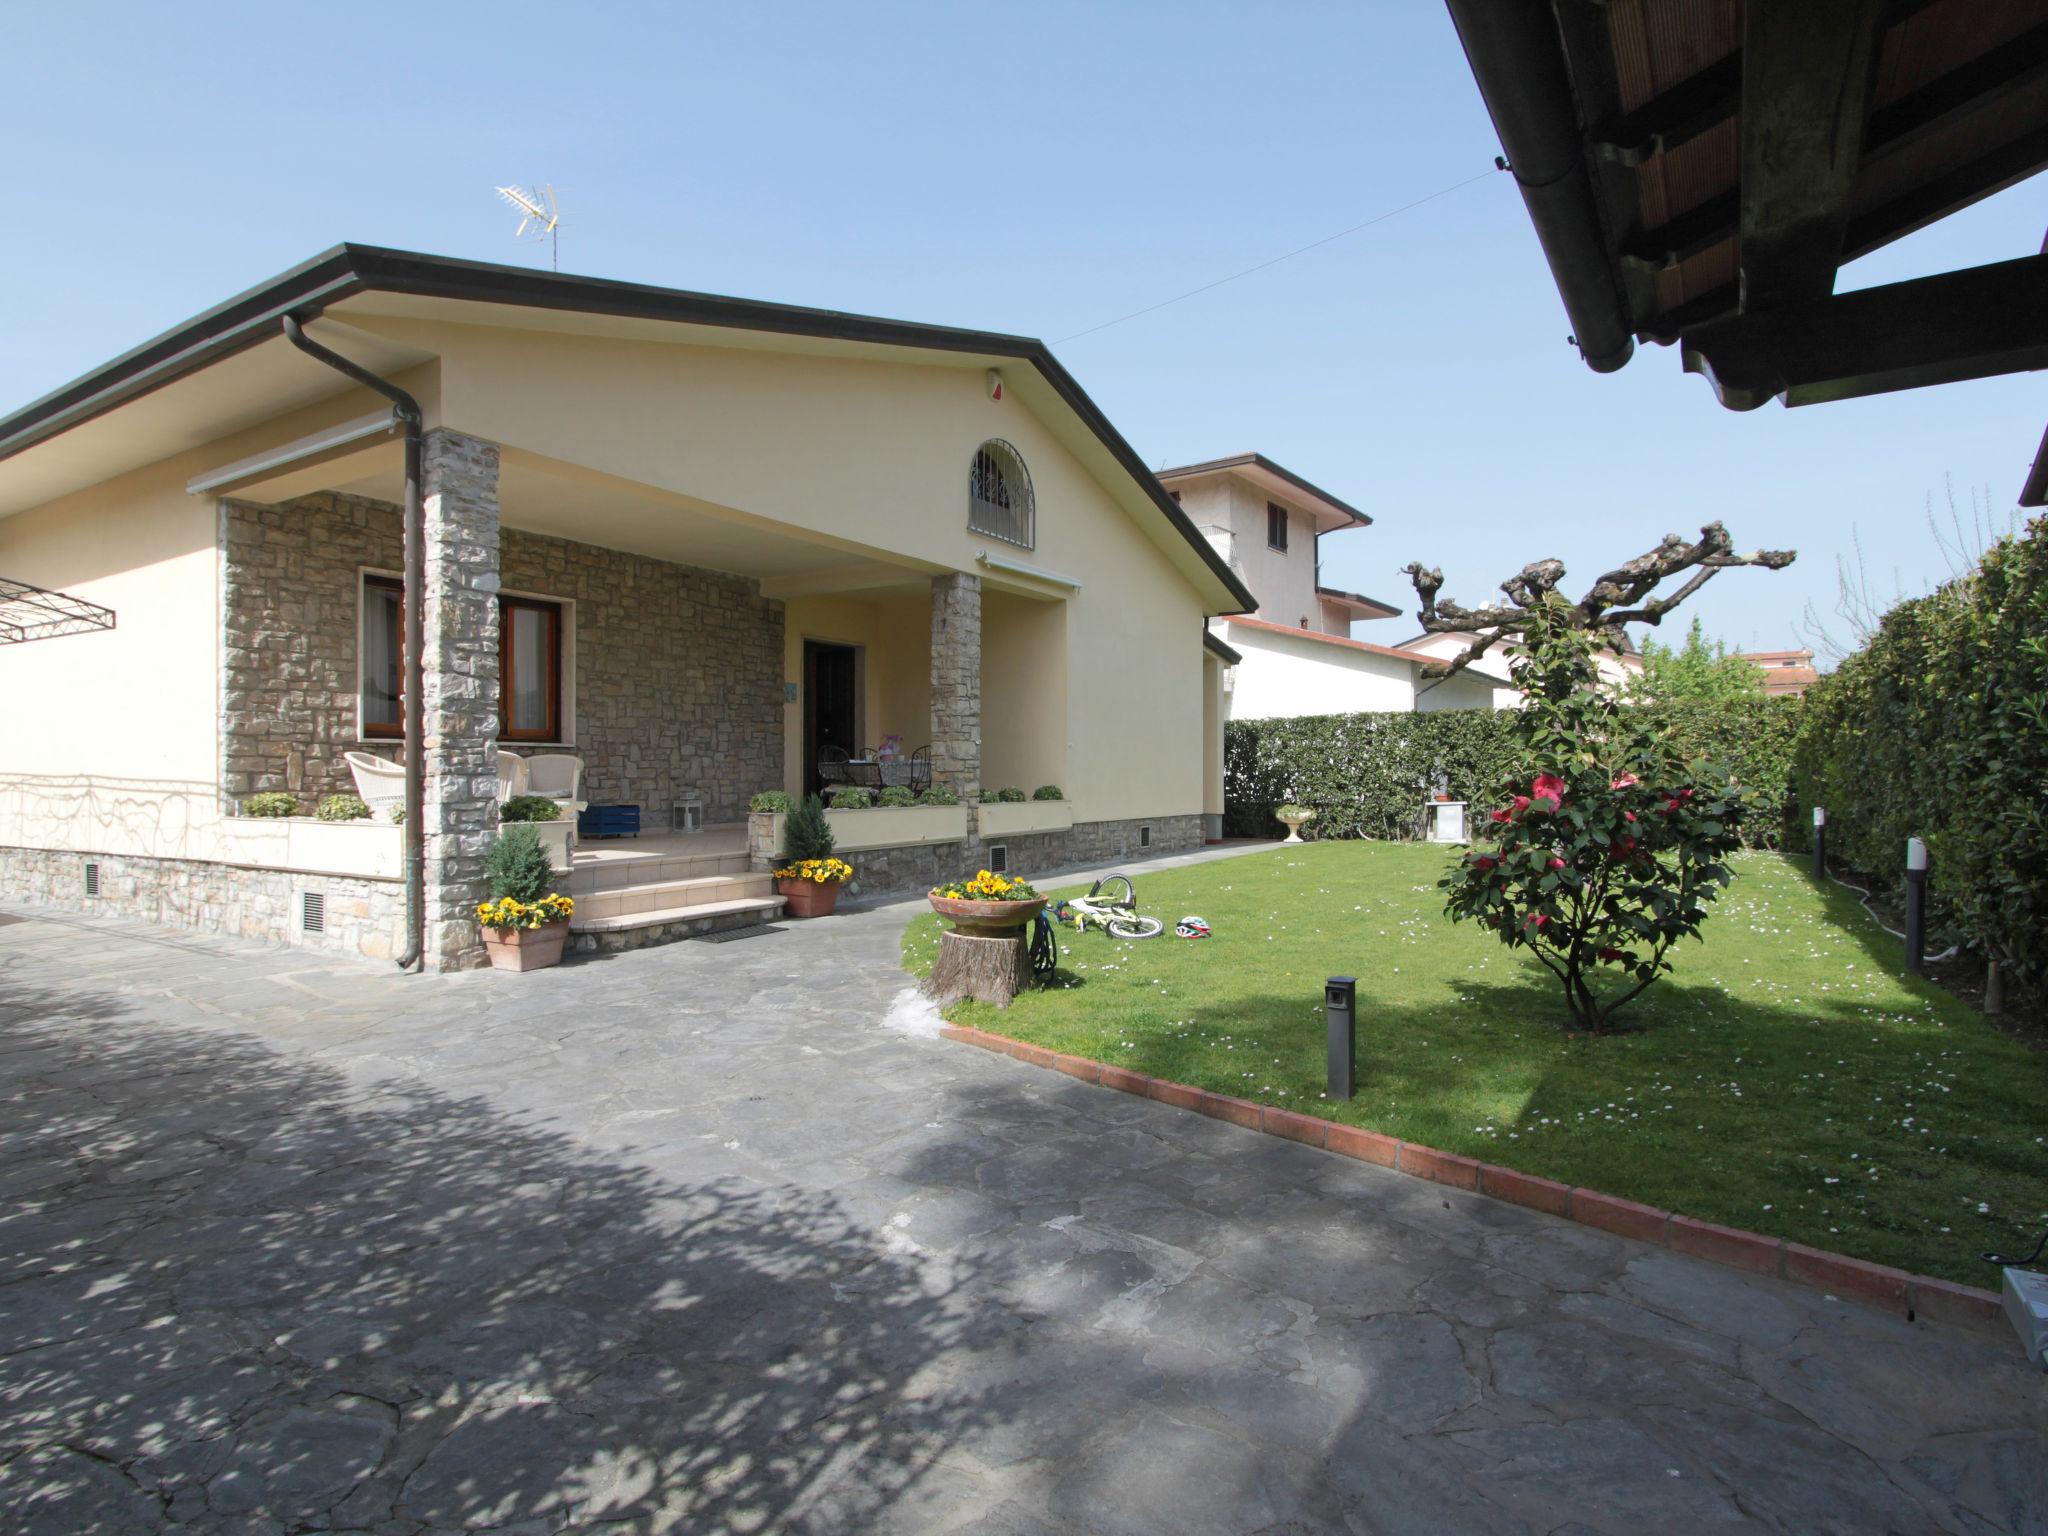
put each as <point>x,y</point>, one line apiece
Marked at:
<point>629,901</point>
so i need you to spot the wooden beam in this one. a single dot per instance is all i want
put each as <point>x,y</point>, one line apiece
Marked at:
<point>1807,74</point>
<point>1933,330</point>
<point>1681,114</point>
<point>2017,65</point>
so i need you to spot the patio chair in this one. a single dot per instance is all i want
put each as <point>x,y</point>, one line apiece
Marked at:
<point>921,770</point>
<point>832,767</point>
<point>559,776</point>
<point>379,781</point>
<point>511,775</point>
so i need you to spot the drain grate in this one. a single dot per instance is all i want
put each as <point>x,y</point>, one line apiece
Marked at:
<point>727,935</point>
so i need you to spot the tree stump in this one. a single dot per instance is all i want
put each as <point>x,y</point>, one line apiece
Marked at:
<point>988,968</point>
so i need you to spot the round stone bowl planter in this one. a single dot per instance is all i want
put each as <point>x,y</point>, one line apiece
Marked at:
<point>808,898</point>
<point>986,919</point>
<point>1295,821</point>
<point>526,949</point>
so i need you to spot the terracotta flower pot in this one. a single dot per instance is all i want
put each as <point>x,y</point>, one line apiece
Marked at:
<point>987,919</point>
<point>526,949</point>
<point>808,898</point>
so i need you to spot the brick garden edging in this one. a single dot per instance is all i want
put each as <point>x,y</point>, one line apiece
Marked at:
<point>1876,1284</point>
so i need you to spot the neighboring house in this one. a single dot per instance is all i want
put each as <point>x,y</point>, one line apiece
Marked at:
<point>1297,657</point>
<point>1787,674</point>
<point>687,539</point>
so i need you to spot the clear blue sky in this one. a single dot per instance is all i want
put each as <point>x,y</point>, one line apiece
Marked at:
<point>1028,168</point>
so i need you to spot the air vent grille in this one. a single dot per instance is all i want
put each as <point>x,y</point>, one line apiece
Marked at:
<point>1144,837</point>
<point>92,879</point>
<point>998,858</point>
<point>312,912</point>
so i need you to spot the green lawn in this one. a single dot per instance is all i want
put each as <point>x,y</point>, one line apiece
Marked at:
<point>1787,1079</point>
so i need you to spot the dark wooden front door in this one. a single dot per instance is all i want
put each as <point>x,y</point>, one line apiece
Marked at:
<point>829,689</point>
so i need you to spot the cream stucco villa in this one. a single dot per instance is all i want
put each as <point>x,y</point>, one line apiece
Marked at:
<point>692,541</point>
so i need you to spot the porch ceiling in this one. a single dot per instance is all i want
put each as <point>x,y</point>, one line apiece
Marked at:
<point>546,496</point>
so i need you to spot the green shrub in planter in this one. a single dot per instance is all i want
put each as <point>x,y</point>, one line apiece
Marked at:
<point>938,794</point>
<point>896,795</point>
<point>529,808</point>
<point>771,802</point>
<point>1047,792</point>
<point>272,802</point>
<point>342,808</point>
<point>1009,794</point>
<point>851,799</point>
<point>518,866</point>
<point>807,834</point>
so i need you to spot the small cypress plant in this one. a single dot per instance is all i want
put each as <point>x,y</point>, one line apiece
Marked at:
<point>807,834</point>
<point>518,866</point>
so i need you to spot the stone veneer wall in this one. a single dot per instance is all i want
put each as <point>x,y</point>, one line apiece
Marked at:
<point>363,917</point>
<point>678,675</point>
<point>290,607</point>
<point>678,670</point>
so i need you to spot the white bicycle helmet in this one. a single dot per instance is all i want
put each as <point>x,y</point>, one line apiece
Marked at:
<point>1192,927</point>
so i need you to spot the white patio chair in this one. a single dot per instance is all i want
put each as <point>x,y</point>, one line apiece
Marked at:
<point>379,781</point>
<point>559,776</point>
<point>511,775</point>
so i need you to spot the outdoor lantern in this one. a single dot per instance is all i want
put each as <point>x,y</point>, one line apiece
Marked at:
<point>1340,1009</point>
<point>690,814</point>
<point>1916,904</point>
<point>1820,843</point>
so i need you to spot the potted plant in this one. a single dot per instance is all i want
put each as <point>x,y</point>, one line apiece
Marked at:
<point>526,921</point>
<point>988,906</point>
<point>1295,816</point>
<point>808,878</point>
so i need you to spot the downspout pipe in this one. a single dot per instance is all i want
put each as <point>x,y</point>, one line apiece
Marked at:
<point>1517,58</point>
<point>407,410</point>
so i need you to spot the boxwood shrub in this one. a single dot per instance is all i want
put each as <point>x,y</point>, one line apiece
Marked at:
<point>1368,775</point>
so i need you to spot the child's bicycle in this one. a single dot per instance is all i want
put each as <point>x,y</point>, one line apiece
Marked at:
<point>1111,905</point>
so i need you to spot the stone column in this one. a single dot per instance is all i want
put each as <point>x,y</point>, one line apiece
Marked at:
<point>956,685</point>
<point>461,694</point>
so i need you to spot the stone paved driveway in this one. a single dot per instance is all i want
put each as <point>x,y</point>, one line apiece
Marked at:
<point>685,1239</point>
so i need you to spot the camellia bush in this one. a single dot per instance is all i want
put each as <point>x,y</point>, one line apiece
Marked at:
<point>1609,848</point>
<point>1611,845</point>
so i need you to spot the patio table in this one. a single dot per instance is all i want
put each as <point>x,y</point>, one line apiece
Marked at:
<point>874,773</point>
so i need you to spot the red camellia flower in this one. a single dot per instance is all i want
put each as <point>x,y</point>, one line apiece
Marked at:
<point>1539,918</point>
<point>1625,781</point>
<point>1482,862</point>
<point>1630,815</point>
<point>1521,804</point>
<point>1548,786</point>
<point>1610,954</point>
<point>1502,816</point>
<point>1557,863</point>
<point>1624,846</point>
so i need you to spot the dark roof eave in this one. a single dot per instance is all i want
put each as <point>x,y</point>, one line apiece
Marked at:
<point>1240,460</point>
<point>1230,655</point>
<point>1385,610</point>
<point>256,315</point>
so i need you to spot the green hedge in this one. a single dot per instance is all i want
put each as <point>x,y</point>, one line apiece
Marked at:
<point>1938,728</point>
<point>1367,775</point>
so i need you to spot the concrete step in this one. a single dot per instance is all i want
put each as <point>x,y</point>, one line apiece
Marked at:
<point>669,896</point>
<point>633,930</point>
<point>631,873</point>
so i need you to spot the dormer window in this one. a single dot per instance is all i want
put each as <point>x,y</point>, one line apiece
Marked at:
<point>999,495</point>
<point>1276,526</point>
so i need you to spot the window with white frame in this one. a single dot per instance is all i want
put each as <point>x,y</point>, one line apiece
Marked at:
<point>999,495</point>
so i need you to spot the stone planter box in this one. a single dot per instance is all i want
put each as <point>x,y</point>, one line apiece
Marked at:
<point>363,850</point>
<point>880,827</point>
<point>1015,818</point>
<point>555,836</point>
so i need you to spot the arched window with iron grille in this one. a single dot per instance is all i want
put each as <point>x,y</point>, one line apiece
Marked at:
<point>999,500</point>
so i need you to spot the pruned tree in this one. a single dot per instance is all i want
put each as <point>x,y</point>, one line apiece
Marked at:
<point>1619,598</point>
<point>1607,848</point>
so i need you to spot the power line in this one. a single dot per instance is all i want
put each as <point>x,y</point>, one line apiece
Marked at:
<point>1378,218</point>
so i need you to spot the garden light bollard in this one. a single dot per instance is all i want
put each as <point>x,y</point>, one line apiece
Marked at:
<point>1340,1009</point>
<point>1916,905</point>
<point>1820,843</point>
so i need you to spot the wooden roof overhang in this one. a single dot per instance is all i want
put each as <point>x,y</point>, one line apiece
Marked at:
<point>1699,170</point>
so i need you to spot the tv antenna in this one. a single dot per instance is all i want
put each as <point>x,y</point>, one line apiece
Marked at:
<point>537,213</point>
